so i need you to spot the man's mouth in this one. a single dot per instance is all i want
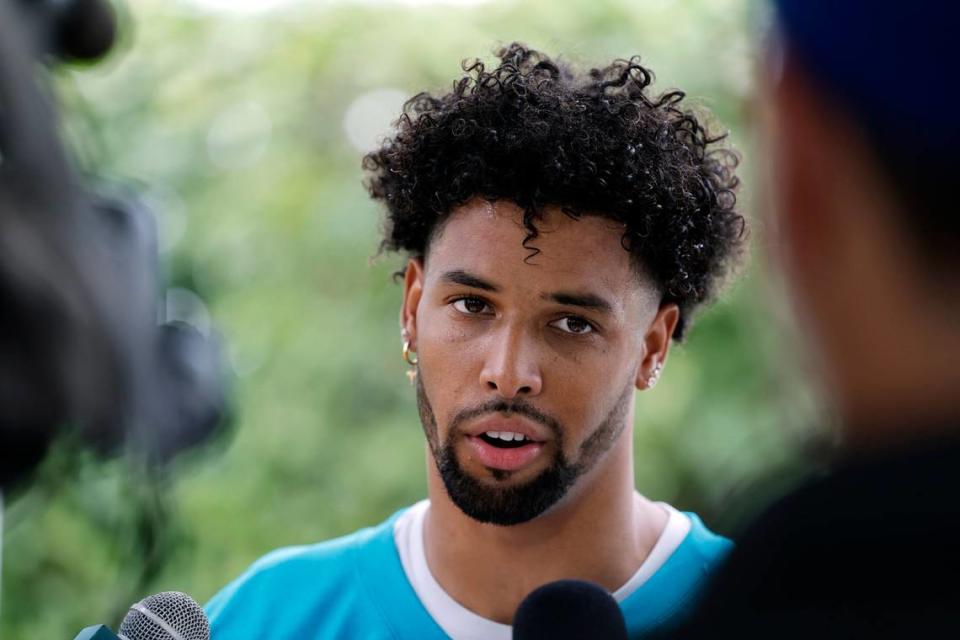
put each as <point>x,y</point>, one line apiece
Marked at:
<point>503,450</point>
<point>505,439</point>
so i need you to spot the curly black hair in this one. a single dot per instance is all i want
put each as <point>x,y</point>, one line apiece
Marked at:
<point>536,133</point>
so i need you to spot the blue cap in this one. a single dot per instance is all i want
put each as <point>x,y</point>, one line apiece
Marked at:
<point>892,64</point>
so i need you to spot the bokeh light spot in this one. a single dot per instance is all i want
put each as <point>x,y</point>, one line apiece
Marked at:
<point>239,136</point>
<point>369,117</point>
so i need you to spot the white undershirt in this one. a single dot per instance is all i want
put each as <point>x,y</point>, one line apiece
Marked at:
<point>460,623</point>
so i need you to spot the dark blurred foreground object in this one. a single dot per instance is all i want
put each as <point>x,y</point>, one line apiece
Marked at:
<point>870,551</point>
<point>569,610</point>
<point>70,30</point>
<point>84,346</point>
<point>863,100</point>
<point>170,615</point>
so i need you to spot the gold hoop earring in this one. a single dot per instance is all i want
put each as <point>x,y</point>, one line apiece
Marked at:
<point>406,354</point>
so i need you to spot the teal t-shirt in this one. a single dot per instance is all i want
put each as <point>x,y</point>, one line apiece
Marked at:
<point>355,587</point>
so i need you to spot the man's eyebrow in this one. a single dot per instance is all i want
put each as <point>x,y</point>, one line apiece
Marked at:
<point>459,276</point>
<point>586,300</point>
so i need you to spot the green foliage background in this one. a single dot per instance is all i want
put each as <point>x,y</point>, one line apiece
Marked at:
<point>233,128</point>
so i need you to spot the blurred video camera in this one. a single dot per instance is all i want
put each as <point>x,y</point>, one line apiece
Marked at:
<point>87,348</point>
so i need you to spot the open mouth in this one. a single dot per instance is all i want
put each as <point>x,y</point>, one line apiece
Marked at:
<point>504,450</point>
<point>505,439</point>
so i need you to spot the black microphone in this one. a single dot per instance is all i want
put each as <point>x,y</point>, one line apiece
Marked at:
<point>85,29</point>
<point>569,609</point>
<point>170,615</point>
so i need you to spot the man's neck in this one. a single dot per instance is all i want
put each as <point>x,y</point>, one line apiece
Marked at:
<point>602,532</point>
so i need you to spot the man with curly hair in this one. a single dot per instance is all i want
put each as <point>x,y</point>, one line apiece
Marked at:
<point>561,229</point>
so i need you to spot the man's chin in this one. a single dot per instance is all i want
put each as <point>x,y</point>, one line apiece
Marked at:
<point>497,479</point>
<point>500,497</point>
<point>493,509</point>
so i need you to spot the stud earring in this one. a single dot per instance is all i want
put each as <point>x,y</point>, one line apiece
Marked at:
<point>655,376</point>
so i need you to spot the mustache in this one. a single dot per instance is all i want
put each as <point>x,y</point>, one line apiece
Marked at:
<point>505,408</point>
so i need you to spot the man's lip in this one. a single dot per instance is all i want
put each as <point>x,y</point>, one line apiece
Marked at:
<point>514,424</point>
<point>512,459</point>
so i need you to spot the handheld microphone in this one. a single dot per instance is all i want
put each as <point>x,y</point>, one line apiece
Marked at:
<point>569,609</point>
<point>170,615</point>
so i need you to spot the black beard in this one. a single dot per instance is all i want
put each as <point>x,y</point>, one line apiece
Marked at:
<point>520,503</point>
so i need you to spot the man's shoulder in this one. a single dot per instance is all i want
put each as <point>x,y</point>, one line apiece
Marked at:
<point>331,555</point>
<point>668,595</point>
<point>693,562</point>
<point>301,591</point>
<point>862,551</point>
<point>900,506</point>
<point>703,543</point>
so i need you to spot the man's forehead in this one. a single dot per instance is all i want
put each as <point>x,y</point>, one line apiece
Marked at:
<point>488,240</point>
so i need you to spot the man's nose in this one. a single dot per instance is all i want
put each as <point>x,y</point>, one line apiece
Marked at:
<point>511,367</point>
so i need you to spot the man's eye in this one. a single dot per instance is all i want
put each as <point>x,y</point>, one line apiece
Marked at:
<point>573,324</point>
<point>470,306</point>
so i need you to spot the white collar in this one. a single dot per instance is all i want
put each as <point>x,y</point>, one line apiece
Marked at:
<point>460,623</point>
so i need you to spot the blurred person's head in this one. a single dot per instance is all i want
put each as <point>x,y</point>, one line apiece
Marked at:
<point>562,229</point>
<point>81,353</point>
<point>59,365</point>
<point>863,143</point>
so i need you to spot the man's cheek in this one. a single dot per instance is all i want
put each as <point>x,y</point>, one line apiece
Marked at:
<point>577,421</point>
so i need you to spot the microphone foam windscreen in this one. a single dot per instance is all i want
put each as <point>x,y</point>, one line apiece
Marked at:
<point>569,609</point>
<point>86,29</point>
<point>170,615</point>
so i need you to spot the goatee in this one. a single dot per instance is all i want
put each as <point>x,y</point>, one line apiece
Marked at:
<point>518,503</point>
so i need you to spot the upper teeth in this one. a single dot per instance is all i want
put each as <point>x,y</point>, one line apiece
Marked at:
<point>505,435</point>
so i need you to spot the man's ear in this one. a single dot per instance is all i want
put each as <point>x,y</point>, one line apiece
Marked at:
<point>412,292</point>
<point>656,345</point>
